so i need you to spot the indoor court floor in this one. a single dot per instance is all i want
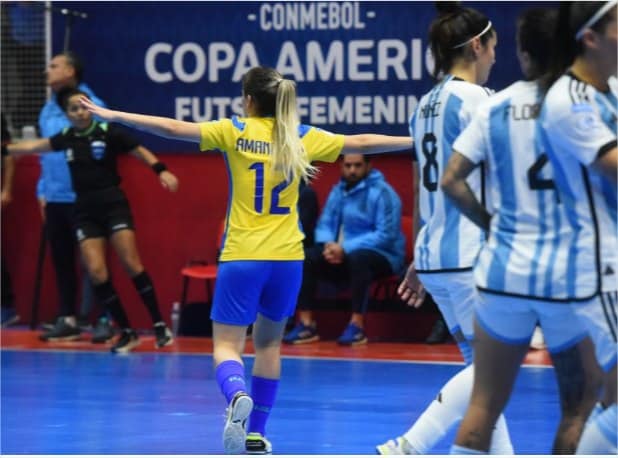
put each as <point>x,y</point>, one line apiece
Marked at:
<point>78,398</point>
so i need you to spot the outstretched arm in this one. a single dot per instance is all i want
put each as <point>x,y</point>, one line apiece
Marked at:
<point>456,188</point>
<point>168,180</point>
<point>163,127</point>
<point>40,145</point>
<point>374,143</point>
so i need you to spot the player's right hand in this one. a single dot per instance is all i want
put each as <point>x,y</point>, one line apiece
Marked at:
<point>411,290</point>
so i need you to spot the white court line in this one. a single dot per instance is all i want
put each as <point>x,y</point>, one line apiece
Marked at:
<point>321,358</point>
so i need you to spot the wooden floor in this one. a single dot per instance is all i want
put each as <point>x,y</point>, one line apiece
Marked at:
<point>77,398</point>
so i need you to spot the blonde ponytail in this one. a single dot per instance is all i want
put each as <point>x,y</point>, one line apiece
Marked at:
<point>288,153</point>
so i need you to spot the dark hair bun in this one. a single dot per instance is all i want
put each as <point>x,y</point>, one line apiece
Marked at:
<point>446,8</point>
<point>64,94</point>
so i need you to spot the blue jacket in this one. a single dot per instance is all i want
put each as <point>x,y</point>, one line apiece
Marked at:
<point>371,216</point>
<point>55,181</point>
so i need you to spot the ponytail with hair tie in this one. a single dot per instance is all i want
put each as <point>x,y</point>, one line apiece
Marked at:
<point>275,96</point>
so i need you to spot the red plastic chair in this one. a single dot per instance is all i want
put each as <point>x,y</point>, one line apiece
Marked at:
<point>200,270</point>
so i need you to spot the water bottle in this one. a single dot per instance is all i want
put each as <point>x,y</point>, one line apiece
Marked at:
<point>28,132</point>
<point>175,319</point>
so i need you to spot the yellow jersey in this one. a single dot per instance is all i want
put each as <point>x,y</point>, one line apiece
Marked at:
<point>262,218</point>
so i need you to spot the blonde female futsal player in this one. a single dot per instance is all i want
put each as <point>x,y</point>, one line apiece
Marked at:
<point>266,153</point>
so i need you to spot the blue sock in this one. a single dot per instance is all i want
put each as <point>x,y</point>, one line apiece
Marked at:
<point>459,450</point>
<point>231,378</point>
<point>263,393</point>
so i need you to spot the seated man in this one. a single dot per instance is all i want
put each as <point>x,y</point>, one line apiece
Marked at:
<point>358,239</point>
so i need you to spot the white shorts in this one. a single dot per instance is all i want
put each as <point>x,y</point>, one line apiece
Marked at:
<point>599,316</point>
<point>512,320</point>
<point>455,295</point>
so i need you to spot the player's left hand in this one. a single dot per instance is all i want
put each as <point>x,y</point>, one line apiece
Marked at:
<point>168,181</point>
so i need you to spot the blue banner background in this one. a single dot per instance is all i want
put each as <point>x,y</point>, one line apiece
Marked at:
<point>114,41</point>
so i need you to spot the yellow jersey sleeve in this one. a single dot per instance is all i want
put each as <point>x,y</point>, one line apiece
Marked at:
<point>214,134</point>
<point>321,145</point>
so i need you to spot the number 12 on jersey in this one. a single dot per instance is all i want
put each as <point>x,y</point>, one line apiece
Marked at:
<point>258,199</point>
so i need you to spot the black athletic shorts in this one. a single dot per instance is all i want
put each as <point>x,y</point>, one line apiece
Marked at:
<point>97,220</point>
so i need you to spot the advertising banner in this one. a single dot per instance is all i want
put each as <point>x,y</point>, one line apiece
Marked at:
<point>359,66</point>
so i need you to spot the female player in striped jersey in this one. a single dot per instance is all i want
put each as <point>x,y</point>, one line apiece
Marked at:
<point>579,122</point>
<point>462,42</point>
<point>519,271</point>
<point>259,278</point>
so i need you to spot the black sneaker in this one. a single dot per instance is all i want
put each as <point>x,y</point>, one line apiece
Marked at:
<point>256,444</point>
<point>83,323</point>
<point>439,333</point>
<point>102,331</point>
<point>127,341</point>
<point>62,331</point>
<point>163,335</point>
<point>49,325</point>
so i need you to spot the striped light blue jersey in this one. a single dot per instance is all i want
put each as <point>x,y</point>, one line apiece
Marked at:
<point>579,125</point>
<point>525,252</point>
<point>447,240</point>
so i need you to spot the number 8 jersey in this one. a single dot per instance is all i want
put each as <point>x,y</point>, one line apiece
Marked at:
<point>262,218</point>
<point>447,241</point>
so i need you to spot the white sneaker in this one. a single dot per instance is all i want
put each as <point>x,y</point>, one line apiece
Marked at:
<point>234,432</point>
<point>397,446</point>
<point>537,342</point>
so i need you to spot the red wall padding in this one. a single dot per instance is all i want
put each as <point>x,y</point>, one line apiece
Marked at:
<point>171,228</point>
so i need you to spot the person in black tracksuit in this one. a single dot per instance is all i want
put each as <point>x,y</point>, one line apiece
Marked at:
<point>102,210</point>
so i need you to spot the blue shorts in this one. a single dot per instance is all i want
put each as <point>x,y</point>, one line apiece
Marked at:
<point>244,288</point>
<point>512,320</point>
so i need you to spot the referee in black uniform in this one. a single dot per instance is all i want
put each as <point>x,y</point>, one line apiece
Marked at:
<point>102,210</point>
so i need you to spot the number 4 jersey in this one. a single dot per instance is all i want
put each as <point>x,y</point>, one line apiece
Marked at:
<point>525,251</point>
<point>447,241</point>
<point>262,218</point>
<point>579,126</point>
